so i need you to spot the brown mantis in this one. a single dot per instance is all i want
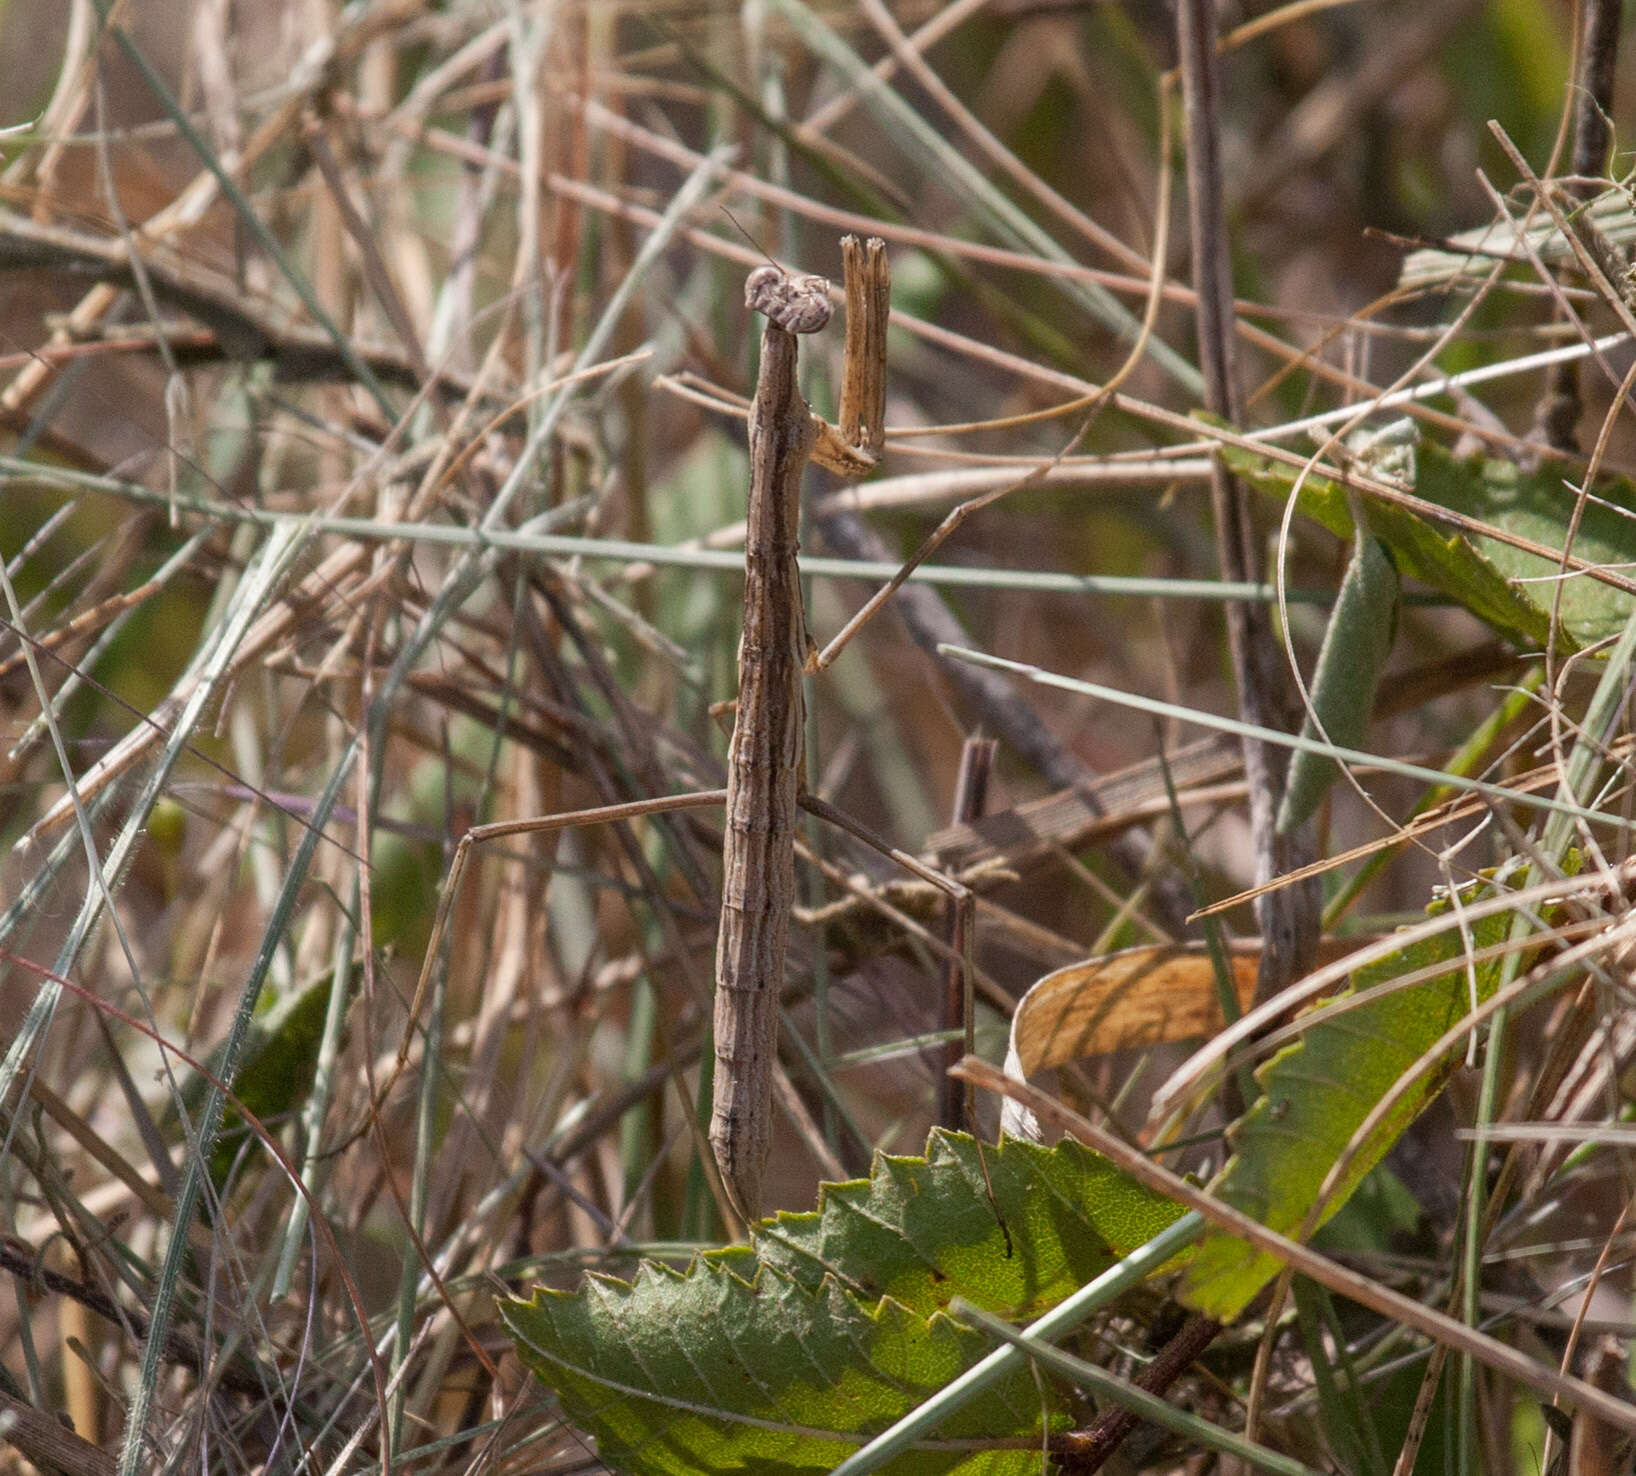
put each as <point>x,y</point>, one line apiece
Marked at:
<point>764,787</point>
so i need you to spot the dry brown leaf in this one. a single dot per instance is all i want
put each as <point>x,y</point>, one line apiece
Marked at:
<point>1137,997</point>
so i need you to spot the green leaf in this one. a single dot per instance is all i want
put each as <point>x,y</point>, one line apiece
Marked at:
<point>1356,644</point>
<point>787,1354</point>
<point>1318,1091</point>
<point>705,1371</point>
<point>1480,572</point>
<point>923,1230</point>
<point>279,1061</point>
<point>1539,506</point>
<point>1446,562</point>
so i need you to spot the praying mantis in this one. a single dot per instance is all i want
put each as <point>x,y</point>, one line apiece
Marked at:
<point>765,754</point>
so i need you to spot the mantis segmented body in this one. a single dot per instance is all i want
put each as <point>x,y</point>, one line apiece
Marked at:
<point>765,755</point>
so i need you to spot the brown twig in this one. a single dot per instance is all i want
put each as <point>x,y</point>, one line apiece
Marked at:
<point>1289,924</point>
<point>1089,1452</point>
<point>241,328</point>
<point>48,1443</point>
<point>1592,109</point>
<point>236,1372</point>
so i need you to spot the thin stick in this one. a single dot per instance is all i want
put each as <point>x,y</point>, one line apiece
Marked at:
<point>1113,1425</point>
<point>1592,92</point>
<point>1289,920</point>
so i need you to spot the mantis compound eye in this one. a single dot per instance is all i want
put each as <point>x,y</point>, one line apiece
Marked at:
<point>795,304</point>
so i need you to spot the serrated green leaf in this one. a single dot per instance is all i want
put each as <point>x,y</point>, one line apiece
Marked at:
<point>923,1230</point>
<point>705,1371</point>
<point>1317,1093</point>
<point>787,1354</point>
